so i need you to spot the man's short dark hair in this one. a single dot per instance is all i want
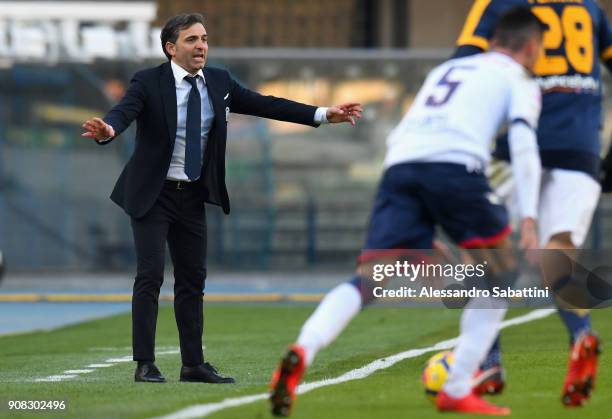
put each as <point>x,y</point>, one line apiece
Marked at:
<point>516,27</point>
<point>171,29</point>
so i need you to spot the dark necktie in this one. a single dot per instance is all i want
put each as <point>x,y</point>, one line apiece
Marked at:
<point>193,132</point>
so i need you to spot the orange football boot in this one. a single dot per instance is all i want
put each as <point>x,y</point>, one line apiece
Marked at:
<point>469,404</point>
<point>581,370</point>
<point>285,381</point>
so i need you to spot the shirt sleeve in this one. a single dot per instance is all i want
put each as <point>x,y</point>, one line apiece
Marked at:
<point>526,168</point>
<point>525,102</point>
<point>321,116</point>
<point>523,115</point>
<point>479,24</point>
<point>466,51</point>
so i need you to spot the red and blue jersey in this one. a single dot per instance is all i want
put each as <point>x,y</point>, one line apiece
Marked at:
<point>578,35</point>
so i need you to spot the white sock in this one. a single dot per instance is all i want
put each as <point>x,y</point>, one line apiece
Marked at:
<point>479,326</point>
<point>330,318</point>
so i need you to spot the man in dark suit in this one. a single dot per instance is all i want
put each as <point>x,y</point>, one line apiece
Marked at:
<point>178,164</point>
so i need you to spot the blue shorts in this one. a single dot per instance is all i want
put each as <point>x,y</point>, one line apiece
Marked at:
<point>414,198</point>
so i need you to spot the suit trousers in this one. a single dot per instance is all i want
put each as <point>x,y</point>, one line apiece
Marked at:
<point>179,218</point>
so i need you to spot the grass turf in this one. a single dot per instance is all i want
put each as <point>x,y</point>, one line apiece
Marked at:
<point>246,342</point>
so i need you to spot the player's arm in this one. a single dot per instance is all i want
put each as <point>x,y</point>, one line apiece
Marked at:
<point>525,165</point>
<point>477,29</point>
<point>525,159</point>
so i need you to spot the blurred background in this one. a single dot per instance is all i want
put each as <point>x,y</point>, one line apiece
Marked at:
<point>300,196</point>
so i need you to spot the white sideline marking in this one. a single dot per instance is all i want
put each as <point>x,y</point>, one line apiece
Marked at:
<point>70,374</point>
<point>127,358</point>
<point>125,348</point>
<point>55,378</point>
<point>172,352</point>
<point>109,348</point>
<point>201,410</point>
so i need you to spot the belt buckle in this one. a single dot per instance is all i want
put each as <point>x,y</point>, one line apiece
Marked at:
<point>179,185</point>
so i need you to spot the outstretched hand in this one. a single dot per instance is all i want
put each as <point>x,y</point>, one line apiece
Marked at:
<point>97,129</point>
<point>346,112</point>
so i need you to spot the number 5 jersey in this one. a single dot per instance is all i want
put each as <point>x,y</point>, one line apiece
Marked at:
<point>460,108</point>
<point>578,35</point>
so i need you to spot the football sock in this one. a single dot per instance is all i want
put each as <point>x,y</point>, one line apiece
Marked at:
<point>575,322</point>
<point>479,327</point>
<point>365,288</point>
<point>332,315</point>
<point>493,358</point>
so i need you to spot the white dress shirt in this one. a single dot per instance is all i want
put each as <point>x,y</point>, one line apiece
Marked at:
<point>177,163</point>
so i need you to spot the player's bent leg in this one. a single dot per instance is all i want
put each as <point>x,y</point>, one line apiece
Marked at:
<point>329,319</point>
<point>585,346</point>
<point>479,328</point>
<point>557,271</point>
<point>479,322</point>
<point>332,315</point>
<point>490,376</point>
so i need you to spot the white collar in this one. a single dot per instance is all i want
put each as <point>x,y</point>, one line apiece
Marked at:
<point>505,57</point>
<point>180,73</point>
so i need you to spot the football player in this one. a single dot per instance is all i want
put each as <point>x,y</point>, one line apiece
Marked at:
<point>578,36</point>
<point>434,176</point>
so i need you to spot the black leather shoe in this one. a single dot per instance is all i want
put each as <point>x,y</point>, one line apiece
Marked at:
<point>204,373</point>
<point>148,373</point>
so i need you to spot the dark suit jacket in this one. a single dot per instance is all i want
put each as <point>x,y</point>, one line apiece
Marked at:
<point>151,101</point>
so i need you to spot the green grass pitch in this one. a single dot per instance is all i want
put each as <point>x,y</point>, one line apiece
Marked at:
<point>246,342</point>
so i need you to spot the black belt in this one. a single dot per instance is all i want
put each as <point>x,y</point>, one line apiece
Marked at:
<point>181,184</point>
